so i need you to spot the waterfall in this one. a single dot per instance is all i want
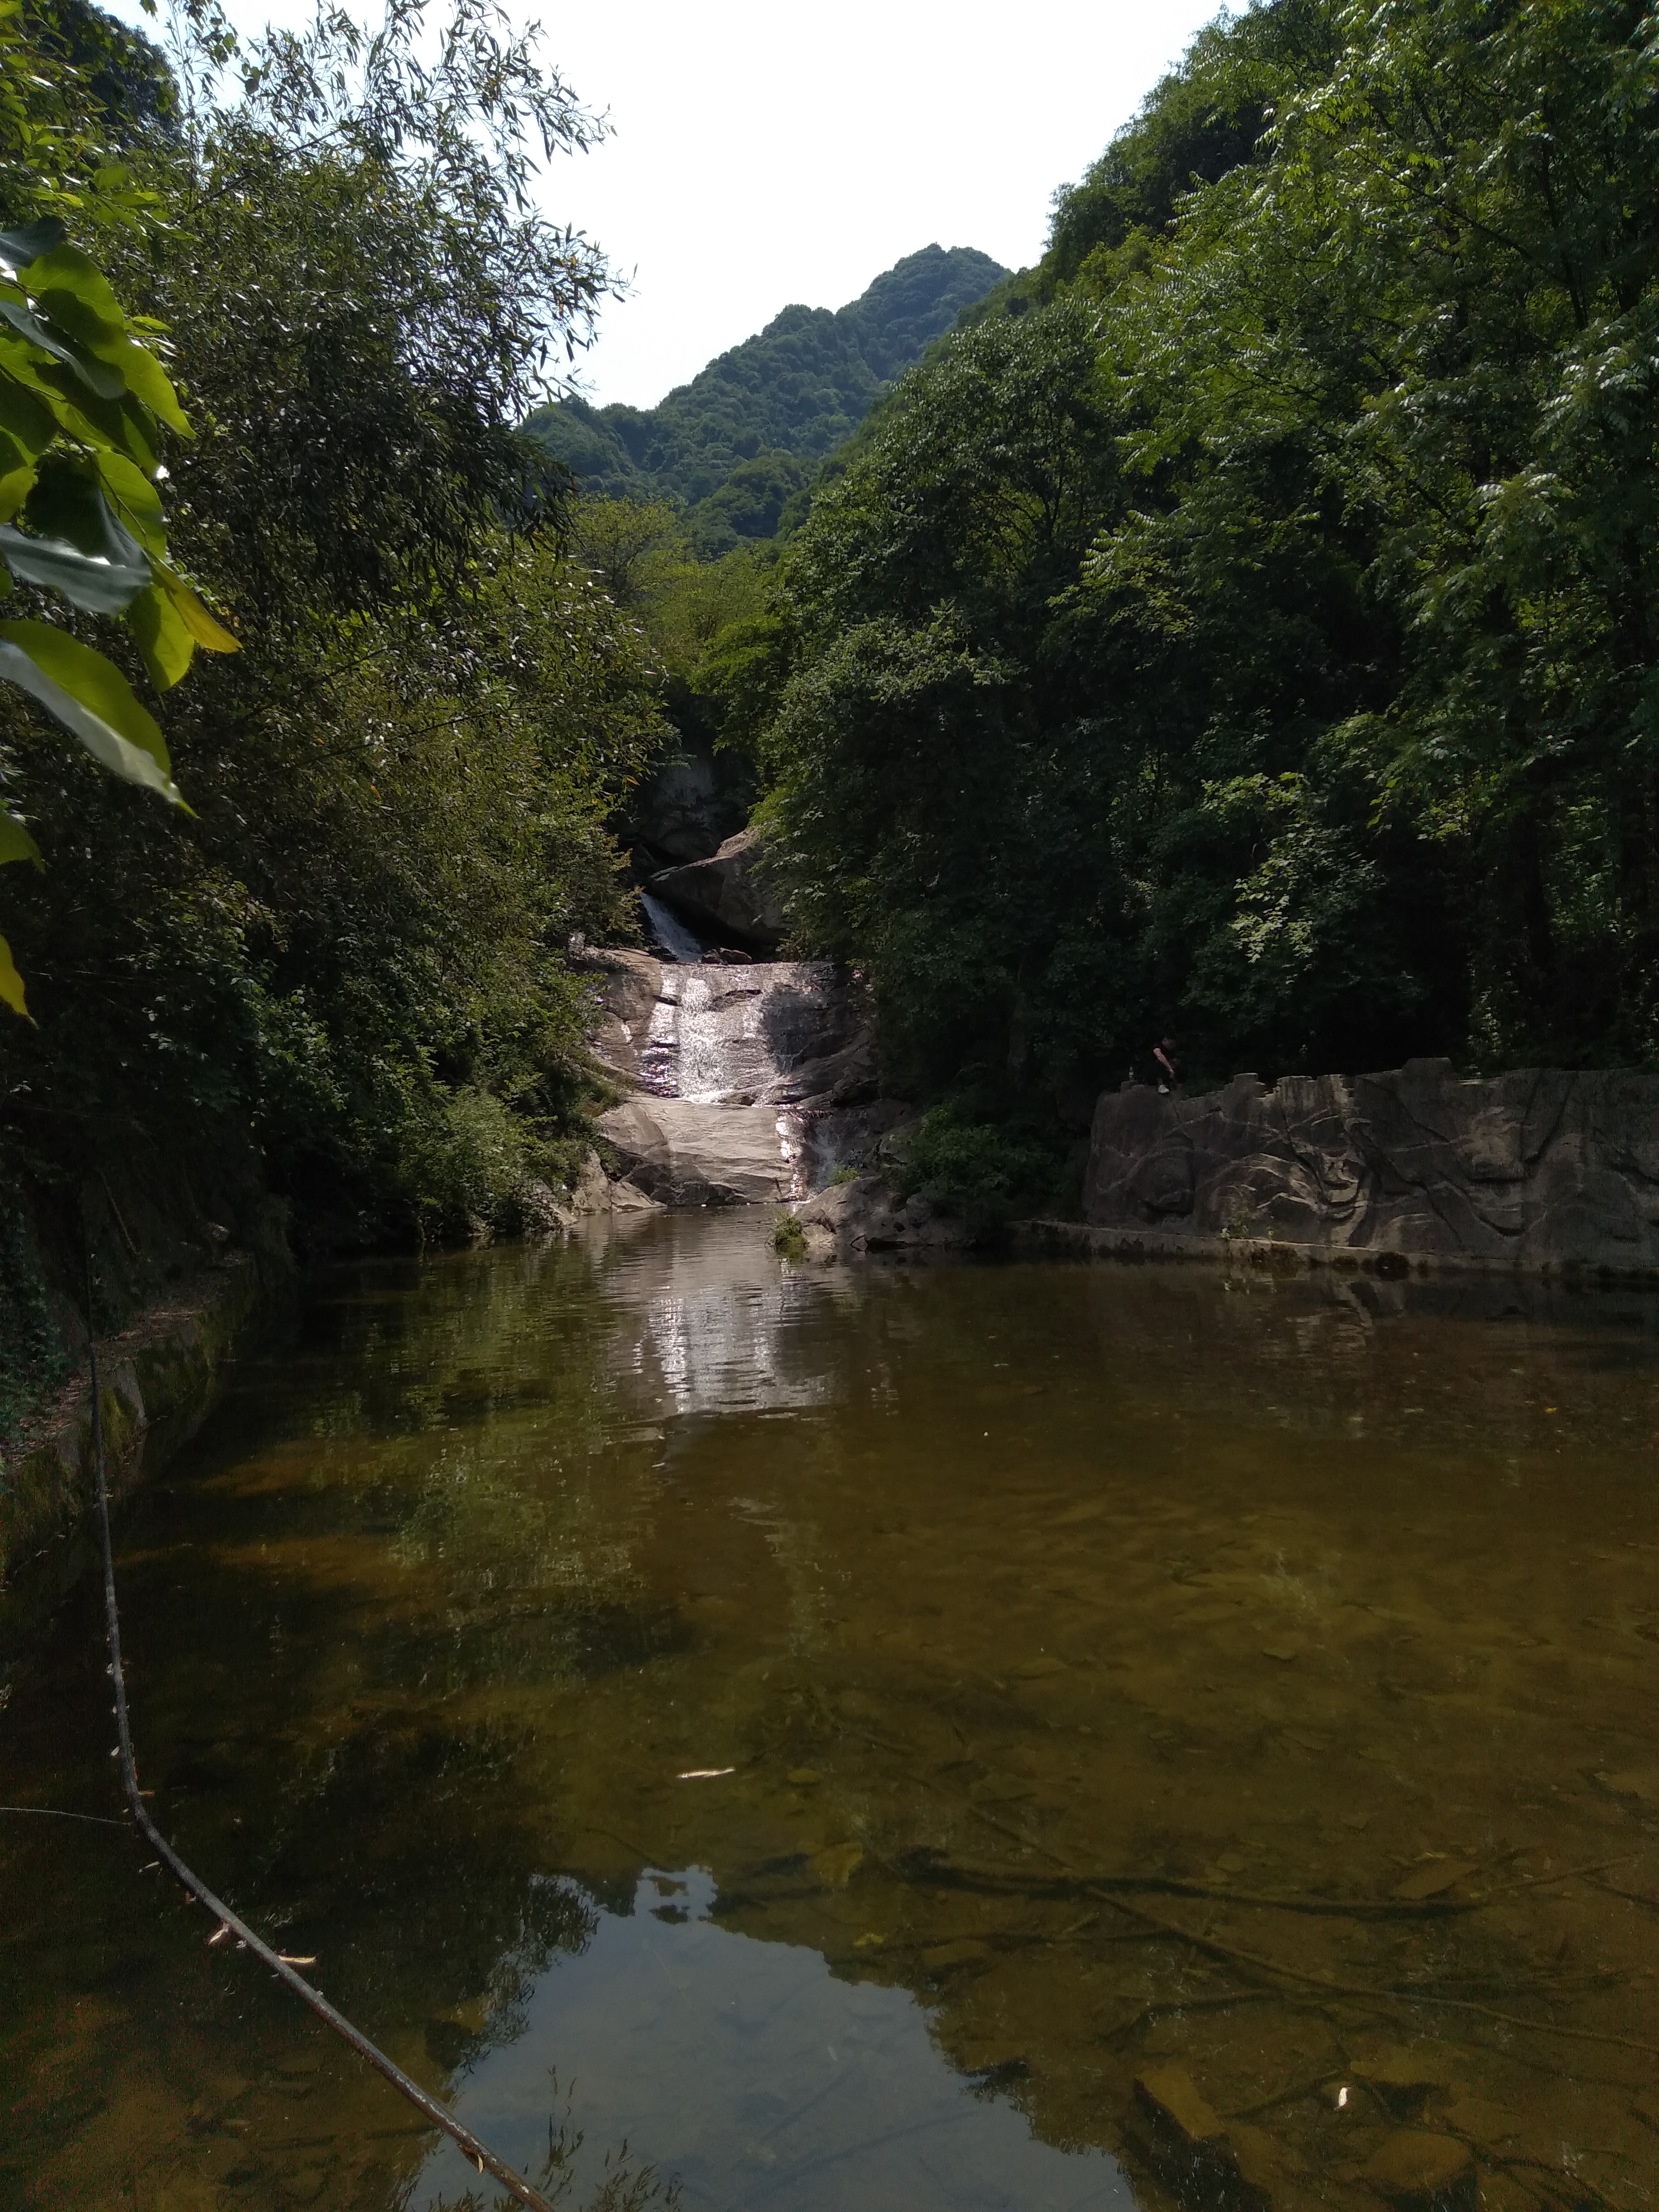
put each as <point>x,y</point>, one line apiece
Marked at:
<point>671,932</point>
<point>733,1068</point>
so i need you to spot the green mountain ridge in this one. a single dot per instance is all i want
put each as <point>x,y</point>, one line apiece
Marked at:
<point>746,433</point>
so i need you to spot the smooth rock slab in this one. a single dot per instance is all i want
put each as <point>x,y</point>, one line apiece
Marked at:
<point>683,1152</point>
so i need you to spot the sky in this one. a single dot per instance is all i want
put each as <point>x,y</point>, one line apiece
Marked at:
<point>763,153</point>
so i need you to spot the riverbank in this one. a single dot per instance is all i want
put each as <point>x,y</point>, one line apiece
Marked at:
<point>159,1380</point>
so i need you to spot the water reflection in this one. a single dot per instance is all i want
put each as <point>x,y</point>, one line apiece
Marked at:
<point>756,2078</point>
<point>1113,1666</point>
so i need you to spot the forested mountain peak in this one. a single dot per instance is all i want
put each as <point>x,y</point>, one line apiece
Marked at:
<point>738,439</point>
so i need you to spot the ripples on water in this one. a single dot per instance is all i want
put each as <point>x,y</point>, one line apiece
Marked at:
<point>983,1582</point>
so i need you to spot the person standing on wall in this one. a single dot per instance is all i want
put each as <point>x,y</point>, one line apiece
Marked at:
<point>1167,1072</point>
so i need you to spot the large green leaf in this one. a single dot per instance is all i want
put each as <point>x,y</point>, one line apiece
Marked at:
<point>18,248</point>
<point>23,413</point>
<point>101,586</point>
<point>137,499</point>
<point>68,502</point>
<point>75,291</point>
<point>163,635</point>
<point>16,842</point>
<point>97,376</point>
<point>92,699</point>
<point>11,983</point>
<point>17,476</point>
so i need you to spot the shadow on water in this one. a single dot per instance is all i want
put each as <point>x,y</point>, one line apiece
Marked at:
<point>842,1725</point>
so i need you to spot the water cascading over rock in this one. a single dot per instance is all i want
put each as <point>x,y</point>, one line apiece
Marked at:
<point>751,1082</point>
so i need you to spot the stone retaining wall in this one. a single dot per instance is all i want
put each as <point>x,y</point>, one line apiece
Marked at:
<point>1541,1170</point>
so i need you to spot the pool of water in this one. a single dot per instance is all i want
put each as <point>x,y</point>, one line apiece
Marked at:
<point>764,1736</point>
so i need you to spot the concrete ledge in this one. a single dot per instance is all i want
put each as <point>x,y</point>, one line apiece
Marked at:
<point>160,1379</point>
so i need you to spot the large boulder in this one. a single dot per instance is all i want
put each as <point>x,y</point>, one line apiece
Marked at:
<point>1534,1169</point>
<point>722,897</point>
<point>866,1214</point>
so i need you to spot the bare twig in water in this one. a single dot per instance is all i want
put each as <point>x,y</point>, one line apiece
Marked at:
<point>970,1874</point>
<point>1370,1995</point>
<point>55,1813</point>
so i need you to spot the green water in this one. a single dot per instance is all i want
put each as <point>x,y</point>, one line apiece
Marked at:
<point>989,1585</point>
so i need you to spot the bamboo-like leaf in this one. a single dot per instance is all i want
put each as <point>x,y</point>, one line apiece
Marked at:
<point>92,699</point>
<point>101,586</point>
<point>11,983</point>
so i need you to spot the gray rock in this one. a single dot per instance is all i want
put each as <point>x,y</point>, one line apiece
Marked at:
<point>722,897</point>
<point>1422,2173</point>
<point>626,986</point>
<point>686,1151</point>
<point>1184,2138</point>
<point>1537,1168</point>
<point>691,803</point>
<point>867,1215</point>
<point>549,1212</point>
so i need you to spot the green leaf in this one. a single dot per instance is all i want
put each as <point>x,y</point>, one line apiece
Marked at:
<point>17,476</point>
<point>100,585</point>
<point>139,502</point>
<point>163,635</point>
<point>18,248</point>
<point>92,699</point>
<point>11,983</point>
<point>68,502</point>
<point>199,623</point>
<point>148,381</point>
<point>97,376</point>
<point>74,290</point>
<point>16,842</point>
<point>24,416</point>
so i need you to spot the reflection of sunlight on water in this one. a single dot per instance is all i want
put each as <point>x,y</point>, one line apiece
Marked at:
<point>757,2077</point>
<point>715,1326</point>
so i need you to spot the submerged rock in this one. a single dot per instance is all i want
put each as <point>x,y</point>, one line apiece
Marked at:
<point>1188,2143</point>
<point>1421,2173</point>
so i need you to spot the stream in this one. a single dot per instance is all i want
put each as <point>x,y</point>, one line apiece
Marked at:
<point>765,1737</point>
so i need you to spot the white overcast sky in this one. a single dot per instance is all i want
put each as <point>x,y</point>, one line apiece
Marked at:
<point>763,154</point>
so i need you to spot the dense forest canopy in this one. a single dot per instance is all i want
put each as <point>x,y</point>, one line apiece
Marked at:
<point>354,948</point>
<point>738,442</point>
<point>1244,629</point>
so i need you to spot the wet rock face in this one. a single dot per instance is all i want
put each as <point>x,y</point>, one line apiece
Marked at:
<point>753,1082</point>
<point>722,897</point>
<point>1538,1168</point>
